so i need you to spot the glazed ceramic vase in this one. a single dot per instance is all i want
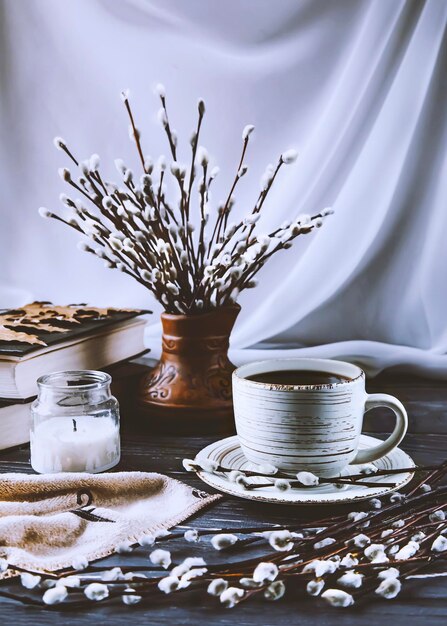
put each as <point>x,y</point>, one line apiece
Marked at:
<point>190,387</point>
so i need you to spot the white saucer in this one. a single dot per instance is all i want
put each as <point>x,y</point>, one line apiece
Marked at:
<point>228,453</point>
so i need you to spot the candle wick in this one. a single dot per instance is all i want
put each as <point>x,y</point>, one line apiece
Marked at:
<point>74,425</point>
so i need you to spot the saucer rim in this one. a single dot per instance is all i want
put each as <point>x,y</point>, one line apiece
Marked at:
<point>341,497</point>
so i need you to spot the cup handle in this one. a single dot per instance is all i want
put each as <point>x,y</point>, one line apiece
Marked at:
<point>383,399</point>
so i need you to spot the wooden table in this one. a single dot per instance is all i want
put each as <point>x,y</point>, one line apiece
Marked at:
<point>420,603</point>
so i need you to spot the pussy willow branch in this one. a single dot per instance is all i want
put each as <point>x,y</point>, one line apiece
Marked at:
<point>136,132</point>
<point>168,129</point>
<point>414,510</point>
<point>223,214</point>
<point>195,143</point>
<point>135,229</point>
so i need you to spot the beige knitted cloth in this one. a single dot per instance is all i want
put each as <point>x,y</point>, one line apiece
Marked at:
<point>46,521</point>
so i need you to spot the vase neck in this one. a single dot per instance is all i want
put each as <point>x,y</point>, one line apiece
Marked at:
<point>205,333</point>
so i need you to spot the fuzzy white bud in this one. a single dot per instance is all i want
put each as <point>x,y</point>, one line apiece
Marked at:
<point>65,200</point>
<point>94,162</point>
<point>251,219</point>
<point>371,551</point>
<point>145,275</point>
<point>349,560</point>
<point>56,595</point>
<point>319,545</point>
<point>169,584</point>
<point>148,166</point>
<point>391,572</point>
<point>59,143</point>
<point>190,465</point>
<point>307,479</point>
<point>337,597</point>
<point>234,475</point>
<point>389,588</point>
<point>172,288</point>
<point>217,586</point>
<point>191,535</point>
<point>265,572</point>
<point>315,587</point>
<point>161,116</point>
<point>350,580</point>
<point>128,176</point>
<point>161,557</point>
<point>112,574</point>
<point>29,581</point>
<point>223,540</point>
<point>320,567</point>
<point>208,465</point>
<point>360,541</point>
<point>399,523</point>
<point>96,591</point>
<point>43,212</point>
<point>175,169</point>
<point>275,591</point>
<point>281,540</point>
<point>375,503</point>
<point>85,167</point>
<point>407,551</point>
<point>161,163</point>
<point>130,598</point>
<point>202,156</point>
<point>281,484</point>
<point>121,168</point>
<point>439,544</point>
<point>289,156</point>
<point>324,212</point>
<point>267,177</point>
<point>115,244</point>
<point>160,90</point>
<point>437,516</point>
<point>247,131</point>
<point>64,173</point>
<point>231,596</point>
<point>107,202</point>
<point>79,563</point>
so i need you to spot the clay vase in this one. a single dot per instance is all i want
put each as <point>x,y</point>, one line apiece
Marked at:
<point>190,387</point>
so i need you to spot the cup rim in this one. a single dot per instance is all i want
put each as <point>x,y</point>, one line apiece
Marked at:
<point>237,375</point>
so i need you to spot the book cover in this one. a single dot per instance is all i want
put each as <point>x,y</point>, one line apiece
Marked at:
<point>42,324</point>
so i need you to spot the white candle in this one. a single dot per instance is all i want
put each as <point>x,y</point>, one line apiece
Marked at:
<point>78,443</point>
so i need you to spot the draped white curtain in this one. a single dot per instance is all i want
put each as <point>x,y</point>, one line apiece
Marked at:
<point>357,86</point>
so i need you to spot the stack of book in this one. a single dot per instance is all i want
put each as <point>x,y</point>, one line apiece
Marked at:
<point>41,338</point>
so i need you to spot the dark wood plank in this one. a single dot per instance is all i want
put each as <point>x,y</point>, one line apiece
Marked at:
<point>418,603</point>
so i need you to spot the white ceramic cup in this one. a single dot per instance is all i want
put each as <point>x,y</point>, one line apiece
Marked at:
<point>309,427</point>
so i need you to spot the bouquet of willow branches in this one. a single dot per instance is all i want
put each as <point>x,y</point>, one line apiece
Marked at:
<point>136,228</point>
<point>342,559</point>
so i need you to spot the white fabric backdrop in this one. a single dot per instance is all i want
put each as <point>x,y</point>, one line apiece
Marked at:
<point>358,86</point>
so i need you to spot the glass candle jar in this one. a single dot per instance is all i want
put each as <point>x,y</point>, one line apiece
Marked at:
<point>75,423</point>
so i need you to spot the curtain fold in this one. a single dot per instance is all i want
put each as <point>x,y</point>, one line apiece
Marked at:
<point>357,86</point>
